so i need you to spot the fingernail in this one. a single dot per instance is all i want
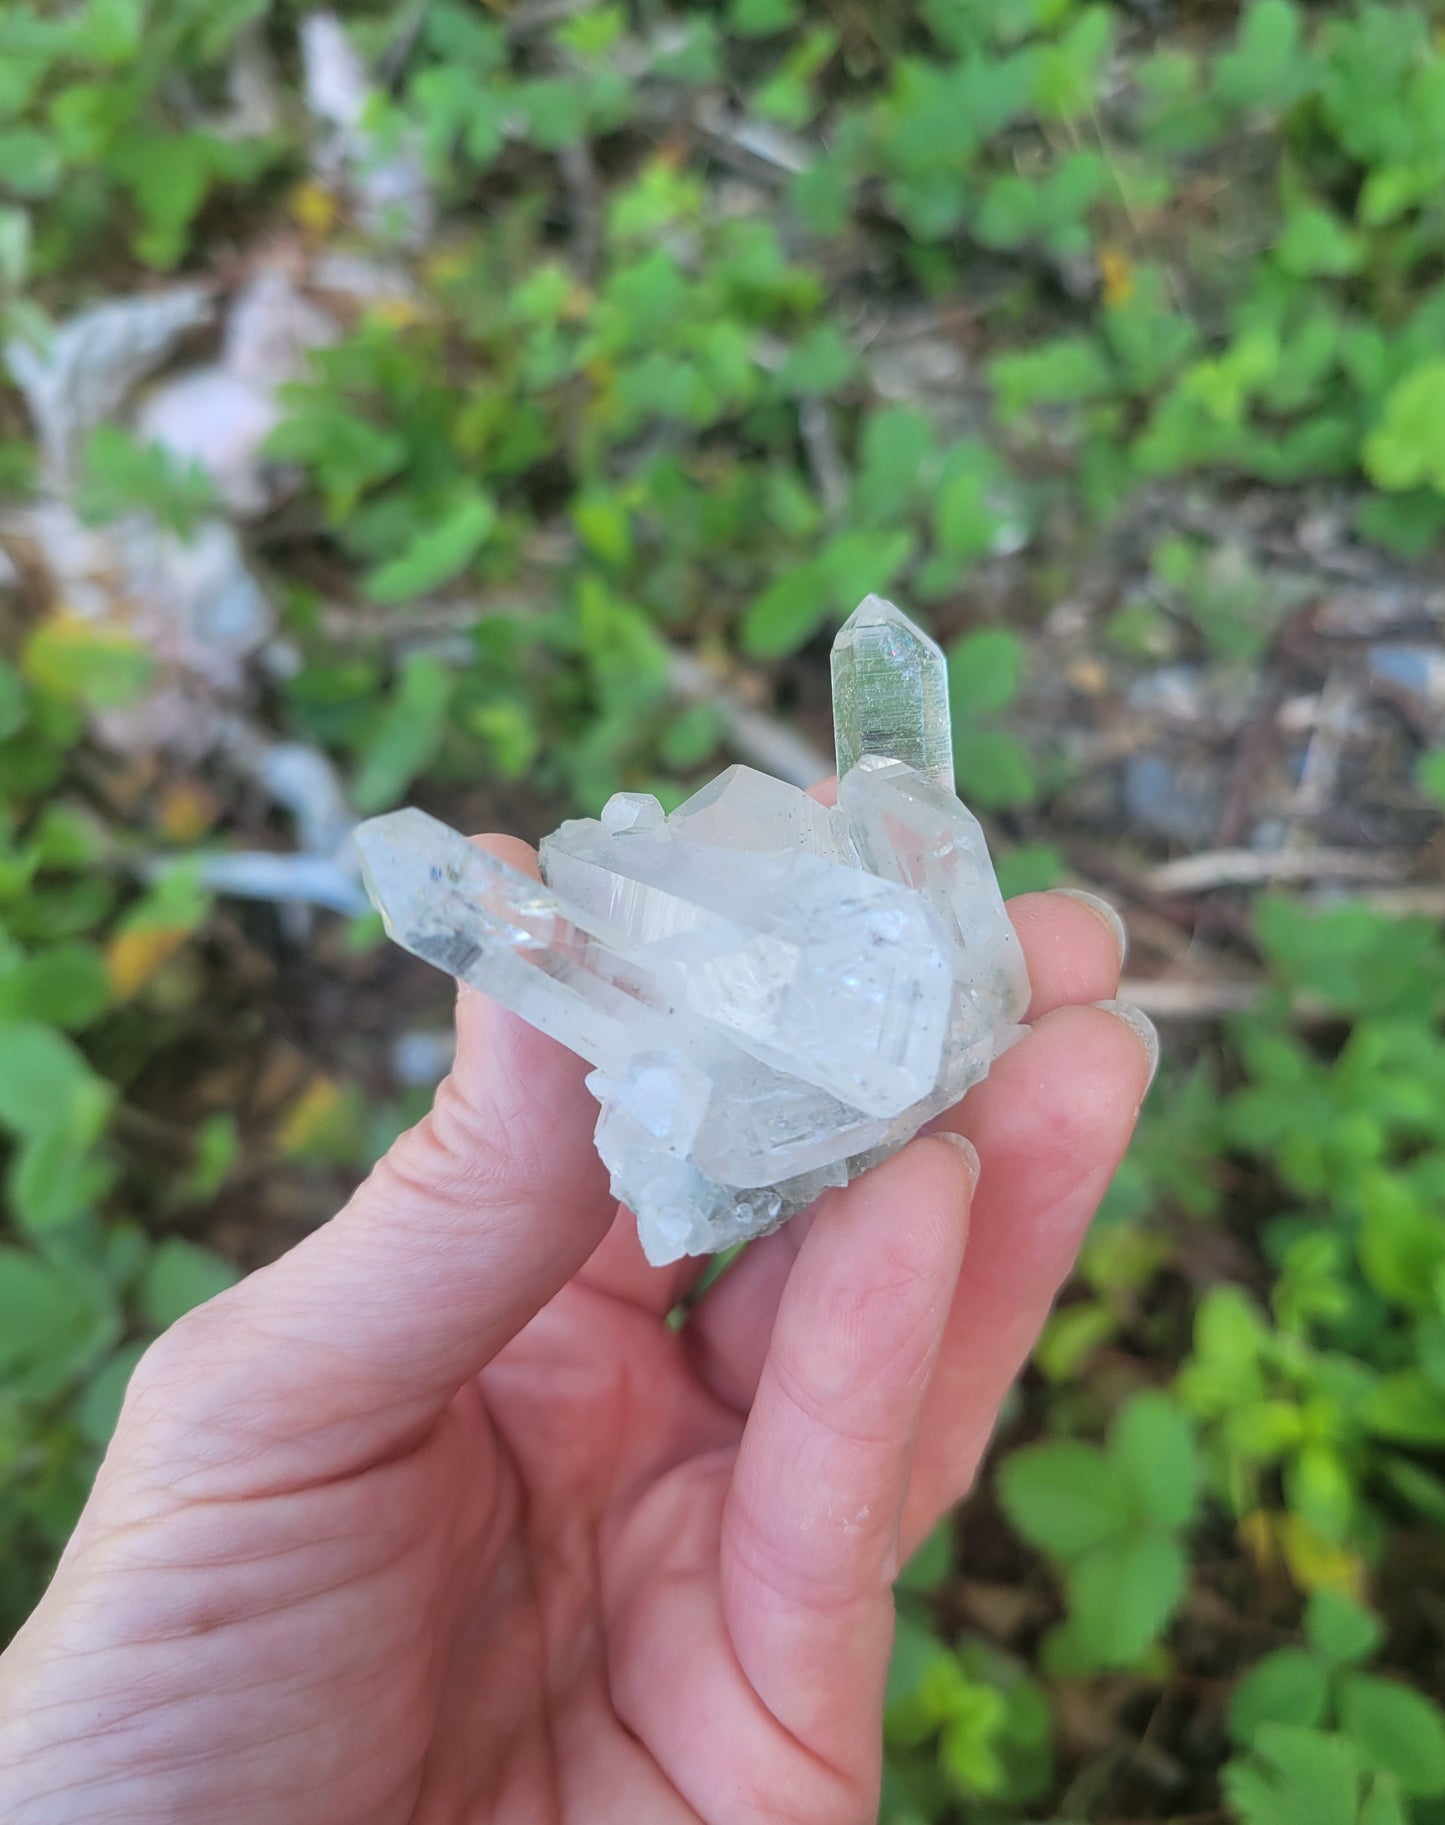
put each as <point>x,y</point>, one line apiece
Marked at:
<point>1143,1028</point>
<point>965,1147</point>
<point>1102,910</point>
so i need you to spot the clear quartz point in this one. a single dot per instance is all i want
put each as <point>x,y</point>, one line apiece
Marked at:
<point>774,995</point>
<point>890,693</point>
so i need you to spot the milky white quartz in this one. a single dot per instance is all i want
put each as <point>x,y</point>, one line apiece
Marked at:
<point>774,995</point>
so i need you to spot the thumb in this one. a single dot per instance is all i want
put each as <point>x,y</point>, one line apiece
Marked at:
<point>349,1347</point>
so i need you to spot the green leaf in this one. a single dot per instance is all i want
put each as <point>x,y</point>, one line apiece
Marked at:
<point>605,528</point>
<point>112,30</point>
<point>51,1318</point>
<point>918,1667</point>
<point>1316,243</point>
<point>992,769</point>
<point>930,1564</point>
<point>965,517</point>
<point>30,162</point>
<point>14,247</point>
<point>983,673</point>
<point>1122,1594</point>
<point>1152,1443</point>
<point>1073,1334</point>
<point>1294,1777</point>
<point>1402,1242</point>
<point>1320,1488</point>
<point>14,705</point>
<point>788,612</point>
<point>217,1147</point>
<point>99,1406</point>
<point>555,110</point>
<point>1009,213</point>
<point>53,1180</point>
<point>1066,371</point>
<point>63,986</point>
<point>408,734</point>
<point>168,175</point>
<point>1267,66</point>
<point>347,453</point>
<point>1341,1629</point>
<point>788,94</point>
<point>45,1084</point>
<point>863,563</point>
<point>823,194</point>
<point>1067,74</point>
<point>761,18</point>
<point>179,1276</point>
<point>969,1742</point>
<point>1030,868</point>
<point>1396,1731</point>
<point>691,737</point>
<point>1064,1497</point>
<point>1406,1407</point>
<point>896,443</point>
<point>1286,1687</point>
<point>819,364</point>
<point>97,664</point>
<point>1383,1805</point>
<point>1430,774</point>
<point>121,475</point>
<point>439,554</point>
<point>1407,447</point>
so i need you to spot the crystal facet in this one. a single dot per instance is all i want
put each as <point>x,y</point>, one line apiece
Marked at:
<point>890,693</point>
<point>774,995</point>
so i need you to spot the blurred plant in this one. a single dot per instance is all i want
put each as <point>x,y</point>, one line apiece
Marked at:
<point>1111,1518</point>
<point>620,400</point>
<point>1323,1739</point>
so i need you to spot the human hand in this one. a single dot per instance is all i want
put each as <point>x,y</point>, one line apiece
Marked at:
<point>438,1519</point>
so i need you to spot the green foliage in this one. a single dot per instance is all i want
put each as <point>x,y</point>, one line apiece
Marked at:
<point>991,766</point>
<point>618,403</point>
<point>1319,1732</point>
<point>122,476</point>
<point>963,1722</point>
<point>1111,1519</point>
<point>78,1279</point>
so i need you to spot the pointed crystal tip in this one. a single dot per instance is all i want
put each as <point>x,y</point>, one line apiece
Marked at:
<point>890,693</point>
<point>879,612</point>
<point>398,866</point>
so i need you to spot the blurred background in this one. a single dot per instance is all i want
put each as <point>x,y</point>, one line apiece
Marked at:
<point>494,406</point>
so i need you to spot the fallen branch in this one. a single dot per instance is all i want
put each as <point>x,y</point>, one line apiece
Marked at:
<point>263,874</point>
<point>1251,868</point>
<point>1190,1000</point>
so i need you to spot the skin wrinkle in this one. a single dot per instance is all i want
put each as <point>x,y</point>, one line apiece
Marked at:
<point>835,1776</point>
<point>618,1632</point>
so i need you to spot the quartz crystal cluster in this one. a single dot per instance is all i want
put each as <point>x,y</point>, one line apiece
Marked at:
<point>774,995</point>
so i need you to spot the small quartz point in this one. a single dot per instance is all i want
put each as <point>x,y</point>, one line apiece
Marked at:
<point>774,995</point>
<point>890,693</point>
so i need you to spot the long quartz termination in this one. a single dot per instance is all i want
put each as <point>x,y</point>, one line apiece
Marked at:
<point>775,995</point>
<point>890,694</point>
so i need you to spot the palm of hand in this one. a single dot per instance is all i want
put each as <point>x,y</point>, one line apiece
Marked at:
<point>627,1572</point>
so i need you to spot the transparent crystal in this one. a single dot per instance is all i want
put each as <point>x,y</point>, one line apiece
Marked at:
<point>820,969</point>
<point>745,809</point>
<point>890,693</point>
<point>774,995</point>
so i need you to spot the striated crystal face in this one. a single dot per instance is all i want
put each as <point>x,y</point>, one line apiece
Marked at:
<point>774,995</point>
<point>890,693</point>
